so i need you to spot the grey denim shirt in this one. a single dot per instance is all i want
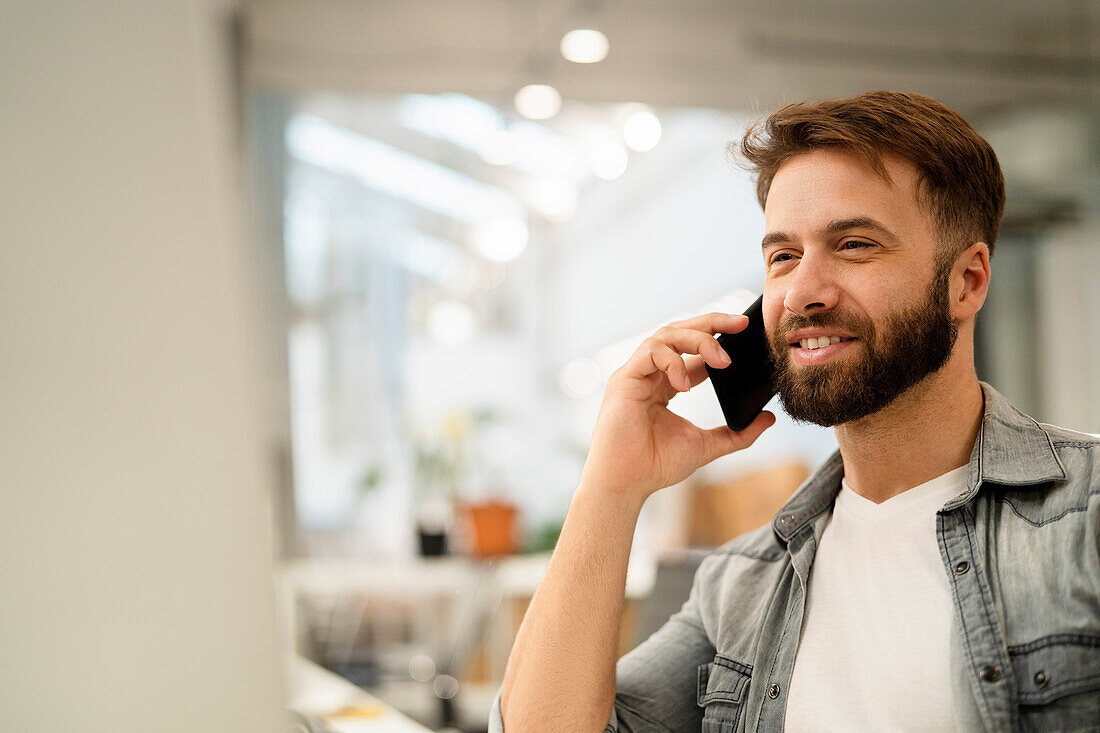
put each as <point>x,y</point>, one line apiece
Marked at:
<point>1021,551</point>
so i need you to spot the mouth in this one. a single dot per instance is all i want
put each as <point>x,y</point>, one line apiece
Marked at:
<point>819,342</point>
<point>816,350</point>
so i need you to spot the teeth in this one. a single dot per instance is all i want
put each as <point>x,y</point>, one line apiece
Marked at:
<point>820,341</point>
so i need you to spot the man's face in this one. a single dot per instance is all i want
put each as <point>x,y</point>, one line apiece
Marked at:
<point>850,261</point>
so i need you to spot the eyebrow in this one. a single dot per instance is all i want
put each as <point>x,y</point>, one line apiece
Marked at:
<point>836,226</point>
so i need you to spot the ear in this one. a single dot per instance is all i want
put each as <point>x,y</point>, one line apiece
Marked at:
<point>970,281</point>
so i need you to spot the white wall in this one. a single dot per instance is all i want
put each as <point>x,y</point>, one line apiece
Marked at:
<point>135,528</point>
<point>1067,353</point>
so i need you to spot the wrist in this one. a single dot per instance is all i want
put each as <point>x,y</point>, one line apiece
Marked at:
<point>623,499</point>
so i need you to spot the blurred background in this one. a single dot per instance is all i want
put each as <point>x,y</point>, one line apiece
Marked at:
<point>308,306</point>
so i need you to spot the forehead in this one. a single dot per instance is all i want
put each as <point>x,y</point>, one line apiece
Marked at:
<point>821,185</point>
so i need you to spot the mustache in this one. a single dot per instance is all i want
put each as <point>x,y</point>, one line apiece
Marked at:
<point>840,321</point>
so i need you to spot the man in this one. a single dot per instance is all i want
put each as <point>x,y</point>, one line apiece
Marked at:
<point>941,571</point>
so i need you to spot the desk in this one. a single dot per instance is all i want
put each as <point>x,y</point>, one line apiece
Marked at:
<point>473,591</point>
<point>316,691</point>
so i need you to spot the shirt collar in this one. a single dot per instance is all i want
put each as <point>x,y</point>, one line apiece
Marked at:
<point>1011,449</point>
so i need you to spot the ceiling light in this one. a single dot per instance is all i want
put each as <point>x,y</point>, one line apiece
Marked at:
<point>501,240</point>
<point>538,101</point>
<point>642,131</point>
<point>556,199</point>
<point>606,155</point>
<point>584,46</point>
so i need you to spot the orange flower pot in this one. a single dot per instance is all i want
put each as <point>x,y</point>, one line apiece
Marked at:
<point>492,527</point>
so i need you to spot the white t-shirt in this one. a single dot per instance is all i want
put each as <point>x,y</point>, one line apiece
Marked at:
<point>873,654</point>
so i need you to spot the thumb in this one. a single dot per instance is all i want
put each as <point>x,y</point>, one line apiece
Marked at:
<point>722,440</point>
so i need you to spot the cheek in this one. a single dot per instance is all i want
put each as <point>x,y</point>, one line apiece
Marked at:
<point>772,308</point>
<point>877,298</point>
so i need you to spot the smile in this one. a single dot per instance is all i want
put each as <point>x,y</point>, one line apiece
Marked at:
<point>820,342</point>
<point>812,351</point>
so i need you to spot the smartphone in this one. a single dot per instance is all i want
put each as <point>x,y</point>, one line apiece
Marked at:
<point>748,383</point>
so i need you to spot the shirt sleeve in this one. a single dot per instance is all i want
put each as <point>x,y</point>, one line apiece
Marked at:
<point>656,683</point>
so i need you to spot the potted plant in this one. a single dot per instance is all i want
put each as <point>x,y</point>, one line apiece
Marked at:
<point>435,472</point>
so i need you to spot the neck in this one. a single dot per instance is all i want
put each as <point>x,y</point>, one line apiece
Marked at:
<point>926,432</point>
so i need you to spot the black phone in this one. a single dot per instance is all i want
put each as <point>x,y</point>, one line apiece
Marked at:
<point>748,383</point>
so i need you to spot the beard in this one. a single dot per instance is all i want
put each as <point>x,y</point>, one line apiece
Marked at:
<point>914,342</point>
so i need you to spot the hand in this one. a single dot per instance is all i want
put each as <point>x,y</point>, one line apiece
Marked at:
<point>639,446</point>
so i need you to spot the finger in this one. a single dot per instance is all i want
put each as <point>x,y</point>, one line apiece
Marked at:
<point>662,358</point>
<point>715,323</point>
<point>688,341</point>
<point>696,373</point>
<point>697,370</point>
<point>722,440</point>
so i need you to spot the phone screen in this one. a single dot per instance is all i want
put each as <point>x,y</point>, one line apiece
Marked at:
<point>748,383</point>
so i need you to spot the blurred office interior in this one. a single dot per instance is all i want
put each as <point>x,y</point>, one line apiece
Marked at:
<point>308,306</point>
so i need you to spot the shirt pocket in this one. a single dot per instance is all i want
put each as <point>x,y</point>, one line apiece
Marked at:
<point>1058,682</point>
<point>722,691</point>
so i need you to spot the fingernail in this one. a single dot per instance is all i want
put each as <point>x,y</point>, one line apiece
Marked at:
<point>724,358</point>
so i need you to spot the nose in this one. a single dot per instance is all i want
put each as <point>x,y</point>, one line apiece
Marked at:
<point>811,287</point>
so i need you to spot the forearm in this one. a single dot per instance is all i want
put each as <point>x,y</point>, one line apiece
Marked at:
<point>561,673</point>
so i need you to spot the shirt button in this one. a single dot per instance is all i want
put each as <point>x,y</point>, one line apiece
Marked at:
<point>773,691</point>
<point>1041,679</point>
<point>989,673</point>
<point>962,567</point>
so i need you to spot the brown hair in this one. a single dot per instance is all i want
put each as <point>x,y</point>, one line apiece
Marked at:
<point>959,179</point>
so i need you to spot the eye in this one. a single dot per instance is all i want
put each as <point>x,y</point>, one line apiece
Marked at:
<point>853,244</point>
<point>780,257</point>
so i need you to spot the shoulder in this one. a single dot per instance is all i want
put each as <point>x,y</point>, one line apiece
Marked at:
<point>1066,438</point>
<point>759,544</point>
<point>1078,455</point>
